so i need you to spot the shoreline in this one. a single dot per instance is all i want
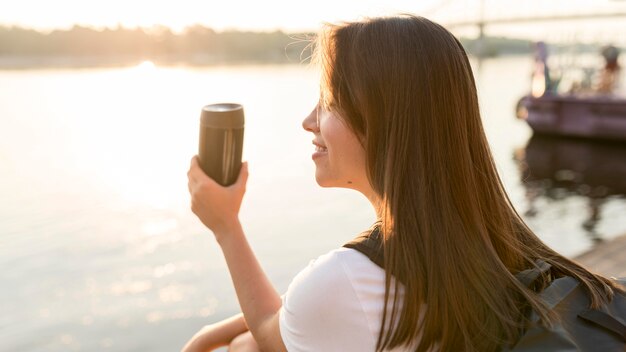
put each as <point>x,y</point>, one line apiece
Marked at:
<point>19,62</point>
<point>75,62</point>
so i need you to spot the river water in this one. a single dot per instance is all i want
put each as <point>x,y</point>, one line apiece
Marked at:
<point>98,247</point>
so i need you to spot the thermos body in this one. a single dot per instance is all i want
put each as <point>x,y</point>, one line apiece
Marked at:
<point>221,141</point>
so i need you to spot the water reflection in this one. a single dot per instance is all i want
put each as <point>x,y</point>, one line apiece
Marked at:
<point>558,168</point>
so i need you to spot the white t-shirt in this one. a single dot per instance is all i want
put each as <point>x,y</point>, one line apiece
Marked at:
<point>335,304</point>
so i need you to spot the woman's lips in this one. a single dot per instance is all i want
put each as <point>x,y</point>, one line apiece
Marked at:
<point>320,151</point>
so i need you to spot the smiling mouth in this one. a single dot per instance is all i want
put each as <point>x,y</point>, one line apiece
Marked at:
<point>320,149</point>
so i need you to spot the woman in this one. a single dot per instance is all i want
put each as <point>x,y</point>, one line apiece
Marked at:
<point>398,120</point>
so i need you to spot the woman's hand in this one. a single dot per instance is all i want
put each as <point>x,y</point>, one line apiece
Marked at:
<point>215,205</point>
<point>231,331</point>
<point>203,341</point>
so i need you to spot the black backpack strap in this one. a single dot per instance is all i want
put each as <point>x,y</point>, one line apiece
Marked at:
<point>370,243</point>
<point>605,321</point>
<point>529,277</point>
<point>612,317</point>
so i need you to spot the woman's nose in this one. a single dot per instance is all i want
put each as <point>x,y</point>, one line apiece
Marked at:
<point>310,122</point>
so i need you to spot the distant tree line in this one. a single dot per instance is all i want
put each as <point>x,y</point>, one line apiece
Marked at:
<point>196,45</point>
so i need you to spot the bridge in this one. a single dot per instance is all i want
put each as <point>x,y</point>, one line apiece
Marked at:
<point>611,10</point>
<point>533,19</point>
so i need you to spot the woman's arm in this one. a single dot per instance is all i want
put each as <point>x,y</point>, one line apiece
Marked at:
<point>258,299</point>
<point>216,335</point>
<point>218,208</point>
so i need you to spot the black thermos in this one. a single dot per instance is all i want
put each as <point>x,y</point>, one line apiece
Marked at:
<point>221,142</point>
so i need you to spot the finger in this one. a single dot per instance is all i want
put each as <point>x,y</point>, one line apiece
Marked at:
<point>242,179</point>
<point>195,171</point>
<point>190,172</point>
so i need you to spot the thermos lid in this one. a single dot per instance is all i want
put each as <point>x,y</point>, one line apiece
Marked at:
<point>223,115</point>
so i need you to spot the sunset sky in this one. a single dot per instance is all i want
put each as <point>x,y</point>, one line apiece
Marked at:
<point>292,16</point>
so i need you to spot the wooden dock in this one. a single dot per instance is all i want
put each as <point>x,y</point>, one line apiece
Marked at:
<point>607,258</point>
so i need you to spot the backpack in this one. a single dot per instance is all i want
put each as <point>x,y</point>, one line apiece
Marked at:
<point>579,328</point>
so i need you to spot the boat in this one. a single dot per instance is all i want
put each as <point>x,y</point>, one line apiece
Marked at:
<point>586,116</point>
<point>585,111</point>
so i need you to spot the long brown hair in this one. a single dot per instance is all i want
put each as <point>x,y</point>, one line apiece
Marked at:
<point>405,87</point>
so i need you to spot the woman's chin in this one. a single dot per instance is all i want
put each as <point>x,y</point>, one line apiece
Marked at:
<point>323,181</point>
<point>332,183</point>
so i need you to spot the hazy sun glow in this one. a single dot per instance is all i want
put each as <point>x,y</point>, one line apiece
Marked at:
<point>292,16</point>
<point>146,66</point>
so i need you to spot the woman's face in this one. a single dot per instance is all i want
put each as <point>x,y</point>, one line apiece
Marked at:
<point>339,157</point>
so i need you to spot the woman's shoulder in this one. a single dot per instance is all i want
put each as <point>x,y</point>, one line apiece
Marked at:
<point>341,280</point>
<point>338,295</point>
<point>340,264</point>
